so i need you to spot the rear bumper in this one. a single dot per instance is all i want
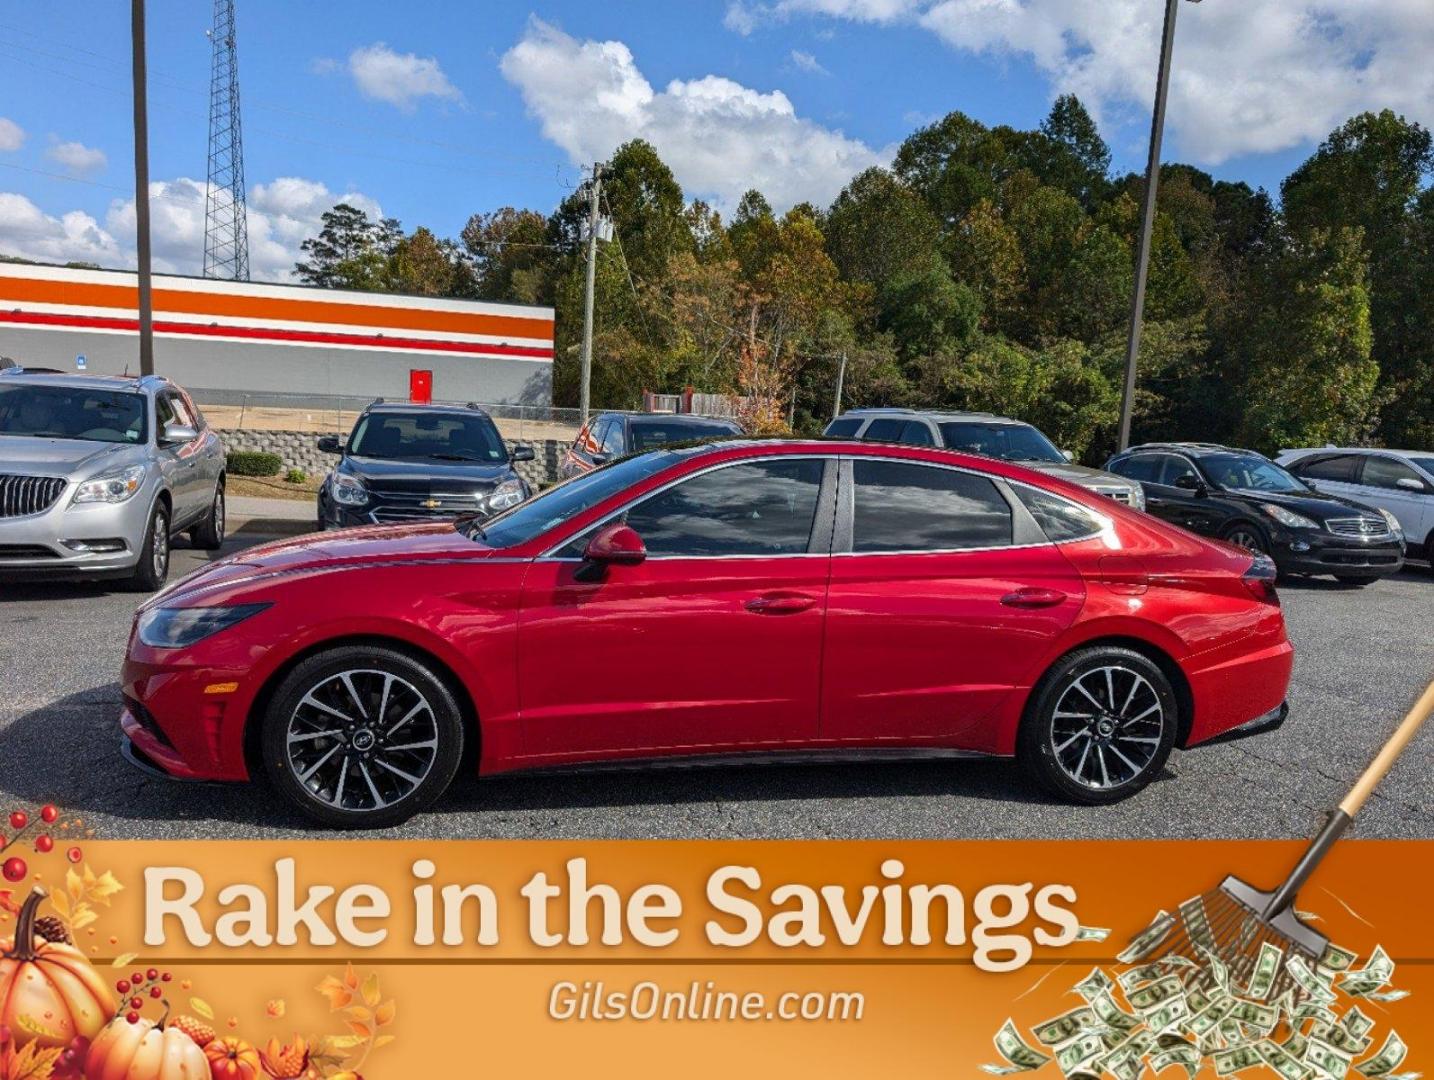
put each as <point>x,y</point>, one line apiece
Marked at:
<point>1244,691</point>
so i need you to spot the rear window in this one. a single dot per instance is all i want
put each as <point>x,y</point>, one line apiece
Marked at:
<point>647,434</point>
<point>1009,442</point>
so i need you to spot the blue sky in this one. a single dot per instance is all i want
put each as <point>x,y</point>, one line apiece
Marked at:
<point>434,110</point>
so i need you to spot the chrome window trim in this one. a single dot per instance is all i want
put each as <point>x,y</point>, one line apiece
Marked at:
<point>548,556</point>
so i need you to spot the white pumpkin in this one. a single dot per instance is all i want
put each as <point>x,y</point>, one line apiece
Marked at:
<point>144,1051</point>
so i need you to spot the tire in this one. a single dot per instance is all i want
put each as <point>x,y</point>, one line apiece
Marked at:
<point>1055,749</point>
<point>1250,537</point>
<point>365,779</point>
<point>208,535</point>
<point>153,566</point>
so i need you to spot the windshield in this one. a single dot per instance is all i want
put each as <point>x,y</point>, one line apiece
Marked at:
<point>1010,442</point>
<point>439,437</point>
<point>566,500</point>
<point>68,412</point>
<point>647,434</point>
<point>1250,472</point>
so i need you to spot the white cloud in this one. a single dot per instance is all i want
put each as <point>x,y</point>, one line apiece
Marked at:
<point>805,61</point>
<point>720,138</point>
<point>400,79</point>
<point>282,214</point>
<point>12,135</point>
<point>743,16</point>
<point>76,157</point>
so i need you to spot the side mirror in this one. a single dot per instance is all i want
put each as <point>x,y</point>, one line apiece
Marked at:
<point>1408,483</point>
<point>615,545</point>
<point>1067,455</point>
<point>329,444</point>
<point>1192,483</point>
<point>179,433</point>
<point>522,453</point>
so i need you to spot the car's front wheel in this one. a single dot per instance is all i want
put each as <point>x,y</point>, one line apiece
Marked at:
<point>1099,725</point>
<point>153,566</point>
<point>362,737</point>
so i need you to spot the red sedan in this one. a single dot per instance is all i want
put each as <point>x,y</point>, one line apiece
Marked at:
<point>844,599</point>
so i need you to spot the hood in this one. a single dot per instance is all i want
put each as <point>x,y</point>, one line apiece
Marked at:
<point>1312,504</point>
<point>1080,474</point>
<point>426,476</point>
<point>62,457</point>
<point>327,551</point>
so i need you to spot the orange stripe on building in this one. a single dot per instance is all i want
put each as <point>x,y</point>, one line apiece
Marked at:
<point>179,301</point>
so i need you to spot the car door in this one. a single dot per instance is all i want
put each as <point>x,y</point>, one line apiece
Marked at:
<point>1180,496</point>
<point>1393,485</point>
<point>943,596</point>
<point>712,642</point>
<point>210,449</point>
<point>177,461</point>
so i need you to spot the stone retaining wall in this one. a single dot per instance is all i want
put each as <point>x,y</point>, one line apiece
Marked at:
<point>299,450</point>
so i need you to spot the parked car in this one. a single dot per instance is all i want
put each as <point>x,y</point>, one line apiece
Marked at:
<point>1399,481</point>
<point>1246,499</point>
<point>847,599</point>
<point>99,473</point>
<point>982,433</point>
<point>610,435</point>
<point>414,462</point>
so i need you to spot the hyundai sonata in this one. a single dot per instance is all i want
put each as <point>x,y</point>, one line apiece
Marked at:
<point>839,599</point>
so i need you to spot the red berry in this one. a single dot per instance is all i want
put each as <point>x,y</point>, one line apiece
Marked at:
<point>74,854</point>
<point>48,814</point>
<point>44,845</point>
<point>137,978</point>
<point>133,1017</point>
<point>19,819</point>
<point>166,977</point>
<point>15,869</point>
<point>155,992</point>
<point>122,986</point>
<point>152,974</point>
<point>136,1003</point>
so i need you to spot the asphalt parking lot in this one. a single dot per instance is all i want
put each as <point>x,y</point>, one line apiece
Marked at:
<point>1363,656</point>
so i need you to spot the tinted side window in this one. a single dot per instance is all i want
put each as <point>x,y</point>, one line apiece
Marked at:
<point>886,429</point>
<point>916,433</point>
<point>755,508</point>
<point>844,428</point>
<point>1383,472</point>
<point>1058,518</point>
<point>1341,468</point>
<point>1142,467</point>
<point>902,506</point>
<point>1175,469</point>
<point>612,438</point>
<point>163,414</point>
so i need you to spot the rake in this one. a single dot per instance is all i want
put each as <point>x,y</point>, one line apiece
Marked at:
<point>1233,922</point>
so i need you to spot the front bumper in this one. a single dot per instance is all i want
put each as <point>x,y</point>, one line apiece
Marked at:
<point>1307,552</point>
<point>36,544</point>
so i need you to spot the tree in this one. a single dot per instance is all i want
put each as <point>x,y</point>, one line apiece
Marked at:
<point>512,259</point>
<point>346,238</point>
<point>425,265</point>
<point>1082,166</point>
<point>878,230</point>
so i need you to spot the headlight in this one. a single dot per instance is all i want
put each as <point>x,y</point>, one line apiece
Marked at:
<point>114,487</point>
<point>508,493</point>
<point>346,491</point>
<point>1288,518</point>
<point>1393,523</point>
<point>175,628</point>
<point>1137,496</point>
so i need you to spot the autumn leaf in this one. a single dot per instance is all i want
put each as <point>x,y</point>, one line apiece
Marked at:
<point>385,1013</point>
<point>337,993</point>
<point>32,1063</point>
<point>7,902</point>
<point>276,1008</point>
<point>123,960</point>
<point>371,993</point>
<point>363,1031</point>
<point>383,1040</point>
<point>359,1013</point>
<point>351,979</point>
<point>202,1007</point>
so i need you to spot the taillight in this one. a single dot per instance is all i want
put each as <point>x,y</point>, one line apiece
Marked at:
<point>1259,580</point>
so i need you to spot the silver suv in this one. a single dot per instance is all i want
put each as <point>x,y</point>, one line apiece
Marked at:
<point>983,433</point>
<point>1399,481</point>
<point>97,473</point>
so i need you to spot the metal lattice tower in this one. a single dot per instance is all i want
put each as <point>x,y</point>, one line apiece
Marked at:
<point>226,230</point>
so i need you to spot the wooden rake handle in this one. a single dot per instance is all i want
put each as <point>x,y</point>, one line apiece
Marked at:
<point>1384,761</point>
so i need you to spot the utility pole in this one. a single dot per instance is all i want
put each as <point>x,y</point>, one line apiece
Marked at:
<point>1147,220</point>
<point>594,193</point>
<point>841,378</point>
<point>141,191</point>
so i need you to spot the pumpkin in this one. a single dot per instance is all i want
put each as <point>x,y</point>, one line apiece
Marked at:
<point>232,1059</point>
<point>145,1050</point>
<point>49,993</point>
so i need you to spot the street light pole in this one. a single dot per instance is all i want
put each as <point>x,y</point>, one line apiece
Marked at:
<point>141,190</point>
<point>594,216</point>
<point>1147,219</point>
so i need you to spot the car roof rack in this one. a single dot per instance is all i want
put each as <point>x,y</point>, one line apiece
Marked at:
<point>1182,446</point>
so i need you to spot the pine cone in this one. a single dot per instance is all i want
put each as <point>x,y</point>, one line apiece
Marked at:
<point>52,930</point>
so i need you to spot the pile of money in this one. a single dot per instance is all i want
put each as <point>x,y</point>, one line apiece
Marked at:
<point>1194,1011</point>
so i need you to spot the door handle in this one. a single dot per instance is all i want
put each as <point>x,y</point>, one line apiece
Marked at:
<point>1033,598</point>
<point>779,605</point>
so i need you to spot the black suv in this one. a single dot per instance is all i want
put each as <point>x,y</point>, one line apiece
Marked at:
<point>416,462</point>
<point>1246,499</point>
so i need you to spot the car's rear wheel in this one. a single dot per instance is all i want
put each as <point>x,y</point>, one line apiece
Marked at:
<point>1243,534</point>
<point>362,737</point>
<point>208,535</point>
<point>1099,725</point>
<point>153,566</point>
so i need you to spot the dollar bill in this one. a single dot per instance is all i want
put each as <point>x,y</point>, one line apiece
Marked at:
<point>1144,973</point>
<point>1149,939</point>
<point>1218,972</point>
<point>1092,933</point>
<point>1391,1055</point>
<point>1336,959</point>
<point>1020,1056</point>
<point>1185,1056</point>
<point>1259,1016</point>
<point>1094,984</point>
<point>1209,1019</point>
<point>1146,998</point>
<point>1387,995</point>
<point>1375,975</point>
<point>1082,1051</point>
<point>1308,981</point>
<point>1064,1028</point>
<point>1282,1061</point>
<point>1267,966</point>
<point>1197,998</point>
<point>1296,1044</point>
<point>1236,1059</point>
<point>1355,1022</point>
<point>1329,1060</point>
<point>1112,1015</point>
<point>1340,1037</point>
<point>1168,1015</point>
